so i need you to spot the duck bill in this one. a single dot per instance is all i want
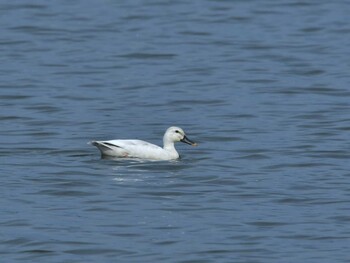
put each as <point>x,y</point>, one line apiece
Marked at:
<point>188,141</point>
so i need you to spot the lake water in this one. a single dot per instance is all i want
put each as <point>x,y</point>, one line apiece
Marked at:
<point>262,86</point>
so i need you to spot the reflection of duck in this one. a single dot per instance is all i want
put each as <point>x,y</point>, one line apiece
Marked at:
<point>145,150</point>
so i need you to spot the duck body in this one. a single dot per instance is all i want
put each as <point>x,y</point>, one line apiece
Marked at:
<point>145,150</point>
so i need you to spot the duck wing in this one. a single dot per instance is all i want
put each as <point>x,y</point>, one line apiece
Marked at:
<point>110,148</point>
<point>128,148</point>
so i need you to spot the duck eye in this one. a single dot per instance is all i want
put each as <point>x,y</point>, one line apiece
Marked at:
<point>177,131</point>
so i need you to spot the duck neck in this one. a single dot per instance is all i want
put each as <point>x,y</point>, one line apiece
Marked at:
<point>168,145</point>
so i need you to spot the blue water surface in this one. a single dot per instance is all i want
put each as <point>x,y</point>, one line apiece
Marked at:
<point>262,86</point>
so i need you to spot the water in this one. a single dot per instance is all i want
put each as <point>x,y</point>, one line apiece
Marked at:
<point>262,86</point>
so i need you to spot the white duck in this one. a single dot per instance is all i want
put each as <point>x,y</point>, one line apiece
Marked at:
<point>145,150</point>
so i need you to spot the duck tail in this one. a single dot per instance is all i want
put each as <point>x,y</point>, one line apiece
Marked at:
<point>94,143</point>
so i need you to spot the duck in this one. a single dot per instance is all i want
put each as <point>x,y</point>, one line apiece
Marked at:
<point>144,150</point>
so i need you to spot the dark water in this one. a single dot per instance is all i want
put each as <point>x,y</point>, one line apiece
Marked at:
<point>263,86</point>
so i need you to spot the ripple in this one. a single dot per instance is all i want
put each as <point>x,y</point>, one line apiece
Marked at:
<point>148,56</point>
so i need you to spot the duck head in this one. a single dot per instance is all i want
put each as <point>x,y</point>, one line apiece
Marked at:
<point>176,134</point>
